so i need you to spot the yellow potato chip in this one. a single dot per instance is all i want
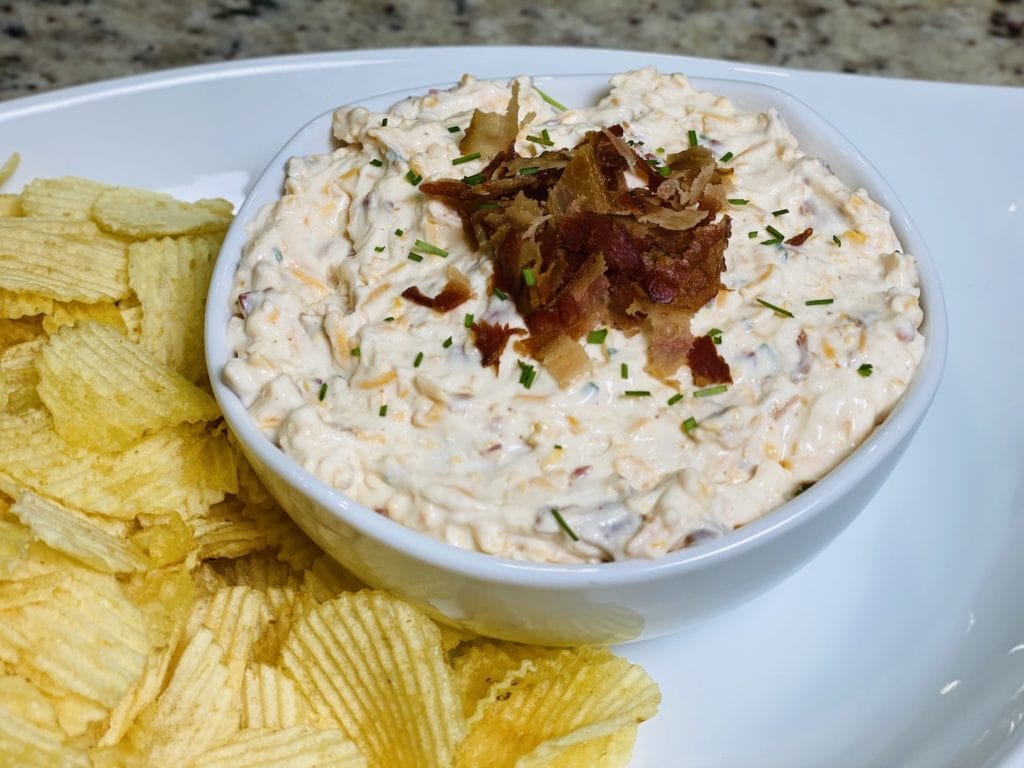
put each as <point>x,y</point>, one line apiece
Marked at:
<point>270,699</point>
<point>374,665</point>
<point>74,267</point>
<point>9,167</point>
<point>325,580</point>
<point>453,637</point>
<point>104,392</point>
<point>141,695</point>
<point>23,304</point>
<point>14,541</point>
<point>161,472</point>
<point>10,205</point>
<point>584,748</point>
<point>286,607</point>
<point>85,638</point>
<point>166,597</point>
<point>73,312</point>
<point>67,197</point>
<point>260,570</point>
<point>294,547</point>
<point>237,617</point>
<point>49,225</point>
<point>19,330</point>
<point>29,731</point>
<point>142,214</point>
<point>131,316</point>
<point>19,377</point>
<point>298,747</point>
<point>74,533</point>
<point>195,710</point>
<point>226,532</point>
<point>170,277</point>
<point>560,700</point>
<point>166,539</point>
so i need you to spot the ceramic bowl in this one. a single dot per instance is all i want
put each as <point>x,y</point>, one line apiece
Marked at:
<point>608,602</point>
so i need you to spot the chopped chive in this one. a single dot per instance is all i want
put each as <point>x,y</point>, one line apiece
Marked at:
<point>737,201</point>
<point>277,254</point>
<point>413,178</point>
<point>529,170</point>
<point>837,241</point>
<point>727,157</point>
<point>413,256</point>
<point>598,336</point>
<point>660,150</point>
<point>689,425</point>
<point>624,371</point>
<point>665,171</point>
<point>376,162</point>
<point>528,277</point>
<point>557,447</point>
<point>780,212</point>
<point>476,178</point>
<point>544,139</point>
<point>866,370</point>
<point>467,321</point>
<point>383,410</point>
<point>716,335</point>
<point>549,100</point>
<point>399,232</point>
<point>355,352</point>
<point>692,136</point>
<point>323,391</point>
<point>774,308</point>
<point>466,158</point>
<point>564,525</point>
<point>379,249</point>
<point>488,207</point>
<point>447,342</point>
<point>418,360</point>
<point>675,398</point>
<point>453,129</point>
<point>389,319</point>
<point>423,245</point>
<point>709,391</point>
<point>384,122</point>
<point>500,293</point>
<point>527,373</point>
<point>637,393</point>
<point>775,233</point>
<point>752,234</point>
<point>817,302</point>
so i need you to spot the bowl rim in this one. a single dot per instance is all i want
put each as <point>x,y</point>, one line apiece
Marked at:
<point>884,439</point>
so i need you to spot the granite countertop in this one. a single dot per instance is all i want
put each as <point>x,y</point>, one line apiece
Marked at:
<point>50,44</point>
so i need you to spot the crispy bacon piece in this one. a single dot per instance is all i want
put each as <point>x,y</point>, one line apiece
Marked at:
<point>801,238</point>
<point>597,235</point>
<point>455,292</point>
<point>491,338</point>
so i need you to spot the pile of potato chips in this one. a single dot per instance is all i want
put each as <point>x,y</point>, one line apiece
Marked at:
<point>156,606</point>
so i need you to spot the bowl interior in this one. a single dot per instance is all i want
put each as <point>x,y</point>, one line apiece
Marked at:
<point>816,137</point>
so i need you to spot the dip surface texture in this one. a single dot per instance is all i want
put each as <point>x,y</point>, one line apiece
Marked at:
<point>387,400</point>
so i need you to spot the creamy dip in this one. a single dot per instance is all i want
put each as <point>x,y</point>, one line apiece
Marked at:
<point>387,400</point>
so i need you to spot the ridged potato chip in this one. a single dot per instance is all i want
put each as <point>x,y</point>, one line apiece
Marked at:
<point>142,214</point>
<point>227,532</point>
<point>16,304</point>
<point>86,369</point>
<point>237,617</point>
<point>374,665</point>
<point>73,312</point>
<point>74,533</point>
<point>67,197</point>
<point>14,541</point>
<point>584,748</point>
<point>270,699</point>
<point>298,747</point>
<point>29,730</point>
<point>19,377</point>
<point>10,205</point>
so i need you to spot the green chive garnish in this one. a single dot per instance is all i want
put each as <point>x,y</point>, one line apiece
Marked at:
<point>817,302</point>
<point>323,391</point>
<point>564,525</point>
<point>476,178</point>
<point>379,249</point>
<point>528,277</point>
<point>709,391</point>
<point>500,293</point>
<point>692,136</point>
<point>775,233</point>
<point>774,308</point>
<point>383,410</point>
<point>447,342</point>
<point>529,170</point>
<point>467,321</point>
<point>598,336</point>
<point>413,256</point>
<point>418,360</point>
<point>636,393</point>
<point>355,352</point>
<point>376,163</point>
<point>716,335</point>
<point>675,398</point>
<point>557,447</point>
<point>399,232</point>
<point>384,122</point>
<point>727,157</point>
<point>423,245</point>
<point>866,370</point>
<point>466,158</point>
<point>277,254</point>
<point>737,201</point>
<point>549,100</point>
<point>389,319</point>
<point>752,234</point>
<point>527,373</point>
<point>488,207</point>
<point>624,371</point>
<point>689,425</point>
<point>837,241</point>
<point>413,178</point>
<point>544,139</point>
<point>780,212</point>
<point>453,129</point>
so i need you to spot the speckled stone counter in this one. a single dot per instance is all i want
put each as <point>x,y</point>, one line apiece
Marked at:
<point>49,44</point>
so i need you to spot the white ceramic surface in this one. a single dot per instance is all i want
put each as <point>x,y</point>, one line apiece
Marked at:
<point>608,603</point>
<point>902,643</point>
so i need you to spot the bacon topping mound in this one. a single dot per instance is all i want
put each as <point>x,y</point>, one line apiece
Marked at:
<point>598,235</point>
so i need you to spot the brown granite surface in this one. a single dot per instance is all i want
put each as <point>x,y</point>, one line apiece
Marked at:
<point>48,44</point>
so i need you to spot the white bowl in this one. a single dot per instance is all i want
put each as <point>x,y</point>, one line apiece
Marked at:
<point>608,602</point>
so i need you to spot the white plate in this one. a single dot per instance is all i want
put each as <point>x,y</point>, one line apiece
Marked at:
<point>902,644</point>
